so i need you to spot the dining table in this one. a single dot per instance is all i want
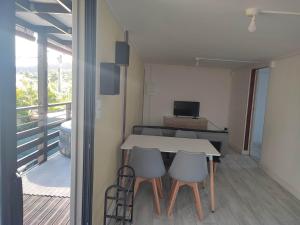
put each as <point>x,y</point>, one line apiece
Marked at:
<point>173,145</point>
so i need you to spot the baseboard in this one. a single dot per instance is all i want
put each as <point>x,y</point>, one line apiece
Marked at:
<point>245,152</point>
<point>239,150</point>
<point>234,148</point>
<point>282,182</point>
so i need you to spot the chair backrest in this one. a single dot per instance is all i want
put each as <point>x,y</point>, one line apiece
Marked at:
<point>189,167</point>
<point>186,134</point>
<point>147,162</point>
<point>152,131</point>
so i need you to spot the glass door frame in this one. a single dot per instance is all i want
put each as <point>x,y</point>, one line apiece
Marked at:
<point>11,199</point>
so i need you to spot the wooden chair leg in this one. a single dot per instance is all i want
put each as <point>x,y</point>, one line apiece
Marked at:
<point>156,197</point>
<point>138,181</point>
<point>159,187</point>
<point>171,190</point>
<point>173,196</point>
<point>197,201</point>
<point>215,167</point>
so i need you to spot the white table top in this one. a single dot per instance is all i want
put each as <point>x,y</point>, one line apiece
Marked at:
<point>170,144</point>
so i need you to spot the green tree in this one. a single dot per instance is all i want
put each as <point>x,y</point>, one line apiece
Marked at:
<point>27,93</point>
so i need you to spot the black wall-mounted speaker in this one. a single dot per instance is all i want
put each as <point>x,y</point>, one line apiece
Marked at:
<point>109,79</point>
<point>122,53</point>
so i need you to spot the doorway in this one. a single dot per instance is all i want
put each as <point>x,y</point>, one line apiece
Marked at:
<point>51,40</point>
<point>259,108</point>
<point>44,110</point>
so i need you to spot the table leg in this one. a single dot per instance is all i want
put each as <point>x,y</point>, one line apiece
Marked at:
<point>212,183</point>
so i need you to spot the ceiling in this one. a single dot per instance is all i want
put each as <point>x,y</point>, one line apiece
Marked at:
<point>52,18</point>
<point>176,31</point>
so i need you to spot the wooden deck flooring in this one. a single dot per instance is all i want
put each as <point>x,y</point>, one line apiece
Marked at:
<point>44,210</point>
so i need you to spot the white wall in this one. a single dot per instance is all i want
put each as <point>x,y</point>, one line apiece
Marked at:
<point>238,107</point>
<point>108,122</point>
<point>281,139</point>
<point>166,83</point>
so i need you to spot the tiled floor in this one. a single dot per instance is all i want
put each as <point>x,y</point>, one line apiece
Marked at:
<point>245,195</point>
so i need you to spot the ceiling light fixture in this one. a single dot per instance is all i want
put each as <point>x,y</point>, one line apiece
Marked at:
<point>252,25</point>
<point>197,61</point>
<point>253,12</point>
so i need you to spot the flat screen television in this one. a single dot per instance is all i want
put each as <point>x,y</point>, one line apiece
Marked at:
<point>184,108</point>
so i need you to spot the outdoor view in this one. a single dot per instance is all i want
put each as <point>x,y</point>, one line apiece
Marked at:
<point>59,87</point>
<point>43,61</point>
<point>44,131</point>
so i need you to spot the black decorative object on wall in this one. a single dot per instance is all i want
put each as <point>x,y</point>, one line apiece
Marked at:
<point>122,53</point>
<point>109,79</point>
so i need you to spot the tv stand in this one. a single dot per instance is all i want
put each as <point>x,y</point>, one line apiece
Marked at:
<point>185,122</point>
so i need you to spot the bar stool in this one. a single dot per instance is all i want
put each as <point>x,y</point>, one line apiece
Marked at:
<point>187,169</point>
<point>148,166</point>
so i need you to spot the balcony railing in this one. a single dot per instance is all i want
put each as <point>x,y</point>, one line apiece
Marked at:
<point>37,135</point>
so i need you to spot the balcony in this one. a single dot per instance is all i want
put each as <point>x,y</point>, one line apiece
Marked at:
<point>38,136</point>
<point>44,170</point>
<point>46,192</point>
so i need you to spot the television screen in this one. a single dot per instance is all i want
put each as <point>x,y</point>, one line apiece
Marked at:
<point>182,108</point>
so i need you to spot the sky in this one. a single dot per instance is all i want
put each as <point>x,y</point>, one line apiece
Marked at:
<point>27,51</point>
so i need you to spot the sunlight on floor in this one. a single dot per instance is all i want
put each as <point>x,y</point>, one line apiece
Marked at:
<point>52,178</point>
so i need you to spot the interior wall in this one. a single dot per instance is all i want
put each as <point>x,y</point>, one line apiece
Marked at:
<point>240,80</point>
<point>108,123</point>
<point>166,83</point>
<point>281,142</point>
<point>135,91</point>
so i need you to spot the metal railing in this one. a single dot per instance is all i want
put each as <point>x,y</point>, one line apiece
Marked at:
<point>37,135</point>
<point>119,198</point>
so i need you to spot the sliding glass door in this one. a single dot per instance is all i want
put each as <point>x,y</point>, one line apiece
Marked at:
<point>11,187</point>
<point>11,198</point>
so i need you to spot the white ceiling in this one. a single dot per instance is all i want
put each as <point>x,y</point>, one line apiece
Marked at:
<point>176,31</point>
<point>64,18</point>
<point>44,1</point>
<point>32,18</point>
